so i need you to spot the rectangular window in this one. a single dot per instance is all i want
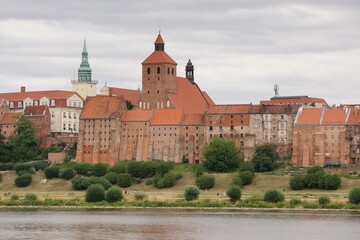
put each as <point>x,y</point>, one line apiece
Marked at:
<point>211,128</point>
<point>211,135</point>
<point>64,115</point>
<point>220,128</point>
<point>232,127</point>
<point>53,114</point>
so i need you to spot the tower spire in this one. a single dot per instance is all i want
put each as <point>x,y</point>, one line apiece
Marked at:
<point>159,43</point>
<point>84,71</point>
<point>189,71</point>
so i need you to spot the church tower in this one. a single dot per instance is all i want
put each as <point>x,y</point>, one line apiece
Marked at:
<point>189,71</point>
<point>84,85</point>
<point>158,78</point>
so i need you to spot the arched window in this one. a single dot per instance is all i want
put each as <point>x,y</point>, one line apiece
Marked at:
<point>168,104</point>
<point>148,70</point>
<point>158,69</point>
<point>140,104</point>
<point>168,70</point>
<point>172,71</point>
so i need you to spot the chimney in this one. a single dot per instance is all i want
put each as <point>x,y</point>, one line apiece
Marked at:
<point>23,89</point>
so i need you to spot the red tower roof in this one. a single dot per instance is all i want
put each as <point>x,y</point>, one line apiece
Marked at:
<point>159,40</point>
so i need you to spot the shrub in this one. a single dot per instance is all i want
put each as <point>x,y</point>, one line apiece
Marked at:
<point>184,159</point>
<point>95,193</point>
<point>178,176</point>
<point>100,169</point>
<point>30,197</point>
<point>315,169</point>
<point>140,196</point>
<point>40,165</point>
<point>79,183</point>
<point>124,180</point>
<point>111,177</point>
<point>354,195</point>
<point>67,173</point>
<point>295,201</point>
<point>273,196</point>
<point>149,182</point>
<point>329,182</point>
<point>136,180</point>
<point>22,172</point>
<point>191,193</point>
<point>23,180</point>
<point>324,200</point>
<point>24,167</point>
<point>0,177</point>
<point>163,168</point>
<point>84,168</point>
<point>221,155</point>
<point>237,181</point>
<point>159,182</point>
<point>205,181</point>
<point>246,166</point>
<point>52,172</point>
<point>264,158</point>
<point>313,179</point>
<point>136,169</point>
<point>14,197</point>
<point>169,180</point>
<point>298,182</point>
<point>234,193</point>
<point>7,166</point>
<point>113,194</point>
<point>117,168</point>
<point>199,170</point>
<point>246,177</point>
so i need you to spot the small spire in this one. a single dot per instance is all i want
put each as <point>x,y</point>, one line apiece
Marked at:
<point>159,43</point>
<point>84,48</point>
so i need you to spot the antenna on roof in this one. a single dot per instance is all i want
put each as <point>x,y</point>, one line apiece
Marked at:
<point>276,90</point>
<point>159,29</point>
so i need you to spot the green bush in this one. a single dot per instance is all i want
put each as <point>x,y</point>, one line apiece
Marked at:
<point>354,195</point>
<point>22,172</point>
<point>159,182</point>
<point>169,180</point>
<point>141,169</point>
<point>111,177</point>
<point>140,196</point>
<point>14,197</point>
<point>0,177</point>
<point>52,172</point>
<point>117,168</point>
<point>264,158</point>
<point>298,182</point>
<point>205,181</point>
<point>199,170</point>
<point>40,165</point>
<point>315,169</point>
<point>237,181</point>
<point>95,193</point>
<point>30,197</point>
<point>79,183</point>
<point>273,196</point>
<point>324,200</point>
<point>100,169</point>
<point>84,168</point>
<point>23,180</point>
<point>234,193</point>
<point>329,182</point>
<point>7,166</point>
<point>67,173</point>
<point>162,168</point>
<point>113,194</point>
<point>246,177</point>
<point>191,193</point>
<point>184,159</point>
<point>149,182</point>
<point>313,179</point>
<point>124,180</point>
<point>295,202</point>
<point>24,167</point>
<point>179,176</point>
<point>246,166</point>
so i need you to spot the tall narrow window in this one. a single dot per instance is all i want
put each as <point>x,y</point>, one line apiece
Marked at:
<point>148,70</point>
<point>158,69</point>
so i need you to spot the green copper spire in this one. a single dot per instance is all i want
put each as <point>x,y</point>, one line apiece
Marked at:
<point>84,71</point>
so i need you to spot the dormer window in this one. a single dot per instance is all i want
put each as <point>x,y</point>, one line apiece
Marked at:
<point>11,105</point>
<point>52,103</point>
<point>19,104</point>
<point>36,103</point>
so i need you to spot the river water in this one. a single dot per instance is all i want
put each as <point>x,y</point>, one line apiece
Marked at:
<point>177,224</point>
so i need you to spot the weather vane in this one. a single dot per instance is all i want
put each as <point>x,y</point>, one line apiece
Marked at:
<point>276,90</point>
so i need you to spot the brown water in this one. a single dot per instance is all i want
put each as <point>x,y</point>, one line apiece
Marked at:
<point>173,224</point>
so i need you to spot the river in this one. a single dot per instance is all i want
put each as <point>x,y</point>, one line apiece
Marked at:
<point>157,224</point>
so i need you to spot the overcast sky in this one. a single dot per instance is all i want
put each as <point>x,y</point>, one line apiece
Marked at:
<point>240,48</point>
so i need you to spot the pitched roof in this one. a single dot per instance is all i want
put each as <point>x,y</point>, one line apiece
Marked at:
<point>229,108</point>
<point>334,117</point>
<point>159,40</point>
<point>354,117</point>
<point>37,95</point>
<point>193,119</point>
<point>309,116</point>
<point>132,95</point>
<point>167,117</point>
<point>188,97</point>
<point>159,57</point>
<point>288,108</point>
<point>137,115</point>
<point>9,118</point>
<point>300,100</point>
<point>101,106</point>
<point>35,110</point>
<point>208,98</point>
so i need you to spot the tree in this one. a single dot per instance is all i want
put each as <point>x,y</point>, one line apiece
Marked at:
<point>273,196</point>
<point>23,180</point>
<point>221,155</point>
<point>246,166</point>
<point>354,195</point>
<point>111,177</point>
<point>113,194</point>
<point>246,177</point>
<point>234,193</point>
<point>298,182</point>
<point>205,181</point>
<point>124,180</point>
<point>67,173</point>
<point>264,158</point>
<point>129,105</point>
<point>191,193</point>
<point>52,172</point>
<point>100,169</point>
<point>2,147</point>
<point>24,146</point>
<point>95,193</point>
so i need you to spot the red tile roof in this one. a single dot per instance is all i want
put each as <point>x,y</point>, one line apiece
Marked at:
<point>309,116</point>
<point>354,117</point>
<point>295,101</point>
<point>102,106</point>
<point>167,117</point>
<point>159,40</point>
<point>188,97</point>
<point>37,95</point>
<point>9,118</point>
<point>35,110</point>
<point>132,95</point>
<point>208,98</point>
<point>334,117</point>
<point>230,108</point>
<point>159,57</point>
<point>193,119</point>
<point>137,115</point>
